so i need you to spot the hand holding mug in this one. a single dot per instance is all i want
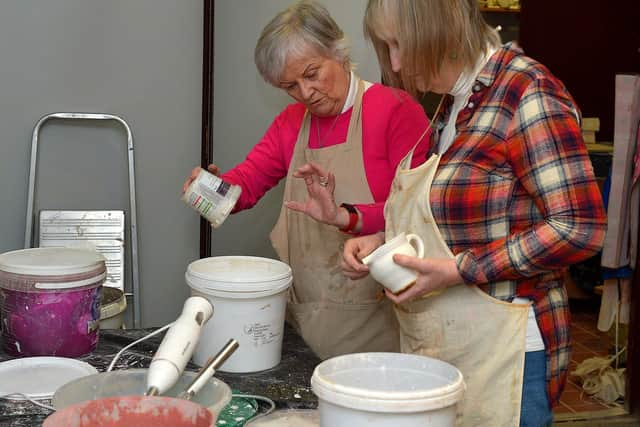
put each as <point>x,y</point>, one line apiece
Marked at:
<point>356,249</point>
<point>383,268</point>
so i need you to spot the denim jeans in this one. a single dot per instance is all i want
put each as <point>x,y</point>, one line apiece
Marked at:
<point>535,411</point>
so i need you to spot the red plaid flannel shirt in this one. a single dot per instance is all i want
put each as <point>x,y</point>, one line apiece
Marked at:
<point>515,195</point>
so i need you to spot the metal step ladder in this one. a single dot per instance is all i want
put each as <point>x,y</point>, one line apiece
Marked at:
<point>99,230</point>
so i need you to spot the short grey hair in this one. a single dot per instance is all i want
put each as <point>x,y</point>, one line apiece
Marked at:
<point>302,26</point>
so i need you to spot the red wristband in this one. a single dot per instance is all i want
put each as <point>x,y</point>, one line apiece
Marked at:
<point>353,218</point>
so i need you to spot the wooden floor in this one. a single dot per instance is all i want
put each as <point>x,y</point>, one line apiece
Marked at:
<point>588,342</point>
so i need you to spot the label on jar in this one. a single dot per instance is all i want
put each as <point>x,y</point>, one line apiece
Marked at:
<point>211,197</point>
<point>213,189</point>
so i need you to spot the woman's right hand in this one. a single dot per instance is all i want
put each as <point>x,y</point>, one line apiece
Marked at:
<point>354,250</point>
<point>194,174</point>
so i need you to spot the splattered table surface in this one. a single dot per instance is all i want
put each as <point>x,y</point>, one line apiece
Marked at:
<point>288,384</point>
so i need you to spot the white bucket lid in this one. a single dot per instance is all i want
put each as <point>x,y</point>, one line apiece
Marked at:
<point>239,274</point>
<point>388,382</point>
<point>50,261</point>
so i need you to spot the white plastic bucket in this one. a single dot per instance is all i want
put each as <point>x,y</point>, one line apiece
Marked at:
<point>387,389</point>
<point>249,298</point>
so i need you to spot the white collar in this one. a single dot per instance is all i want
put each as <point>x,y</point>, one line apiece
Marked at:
<point>351,95</point>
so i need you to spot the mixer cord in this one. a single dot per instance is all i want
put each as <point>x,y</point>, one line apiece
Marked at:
<point>271,403</point>
<point>125,348</point>
<point>13,396</point>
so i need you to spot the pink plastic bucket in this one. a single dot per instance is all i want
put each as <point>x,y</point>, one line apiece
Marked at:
<point>50,301</point>
<point>130,411</point>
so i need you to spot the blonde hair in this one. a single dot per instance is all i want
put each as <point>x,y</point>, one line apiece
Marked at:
<point>429,32</point>
<point>303,26</point>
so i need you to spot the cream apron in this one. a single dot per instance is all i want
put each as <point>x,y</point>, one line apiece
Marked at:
<point>480,335</point>
<point>334,315</point>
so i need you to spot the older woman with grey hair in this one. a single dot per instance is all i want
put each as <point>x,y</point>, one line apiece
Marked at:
<point>337,147</point>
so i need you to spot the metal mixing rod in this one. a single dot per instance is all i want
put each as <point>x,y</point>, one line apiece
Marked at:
<point>209,369</point>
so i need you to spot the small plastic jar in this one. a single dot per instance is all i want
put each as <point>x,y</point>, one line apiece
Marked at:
<point>50,301</point>
<point>212,197</point>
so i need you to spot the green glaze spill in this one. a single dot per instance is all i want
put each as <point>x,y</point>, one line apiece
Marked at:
<point>237,412</point>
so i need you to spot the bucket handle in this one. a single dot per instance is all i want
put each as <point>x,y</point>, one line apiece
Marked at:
<point>68,285</point>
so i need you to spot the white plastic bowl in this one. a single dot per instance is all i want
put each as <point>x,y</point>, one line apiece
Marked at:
<point>215,394</point>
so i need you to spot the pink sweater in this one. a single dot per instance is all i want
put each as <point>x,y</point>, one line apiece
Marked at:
<point>392,122</point>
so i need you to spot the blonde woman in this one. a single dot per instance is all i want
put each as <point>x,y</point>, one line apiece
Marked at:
<point>506,202</point>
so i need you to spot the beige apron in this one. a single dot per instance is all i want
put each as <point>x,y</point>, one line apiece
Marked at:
<point>480,335</point>
<point>334,315</point>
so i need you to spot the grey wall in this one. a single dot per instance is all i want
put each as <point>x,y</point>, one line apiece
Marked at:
<point>139,59</point>
<point>245,105</point>
<point>142,60</point>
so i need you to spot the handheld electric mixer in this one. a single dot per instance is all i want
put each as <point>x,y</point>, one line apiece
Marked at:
<point>178,345</point>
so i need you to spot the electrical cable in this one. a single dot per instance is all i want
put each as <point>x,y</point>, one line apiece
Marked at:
<point>117,356</point>
<point>271,403</point>
<point>8,396</point>
<point>27,398</point>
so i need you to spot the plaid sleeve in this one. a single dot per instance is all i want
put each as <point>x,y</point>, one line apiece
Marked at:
<point>552,167</point>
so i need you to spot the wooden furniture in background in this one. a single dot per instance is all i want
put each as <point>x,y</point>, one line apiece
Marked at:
<point>584,43</point>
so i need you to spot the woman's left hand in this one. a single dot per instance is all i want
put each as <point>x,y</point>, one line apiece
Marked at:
<point>320,205</point>
<point>434,274</point>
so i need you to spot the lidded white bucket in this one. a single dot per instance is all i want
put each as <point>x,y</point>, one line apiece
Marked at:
<point>249,298</point>
<point>387,389</point>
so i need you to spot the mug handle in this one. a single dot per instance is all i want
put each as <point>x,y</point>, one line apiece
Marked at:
<point>417,243</point>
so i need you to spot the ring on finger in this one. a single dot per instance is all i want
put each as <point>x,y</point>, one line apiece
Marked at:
<point>324,181</point>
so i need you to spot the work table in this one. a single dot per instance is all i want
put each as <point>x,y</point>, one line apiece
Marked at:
<point>288,384</point>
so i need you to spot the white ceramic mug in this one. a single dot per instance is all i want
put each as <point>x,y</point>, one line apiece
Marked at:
<point>392,276</point>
